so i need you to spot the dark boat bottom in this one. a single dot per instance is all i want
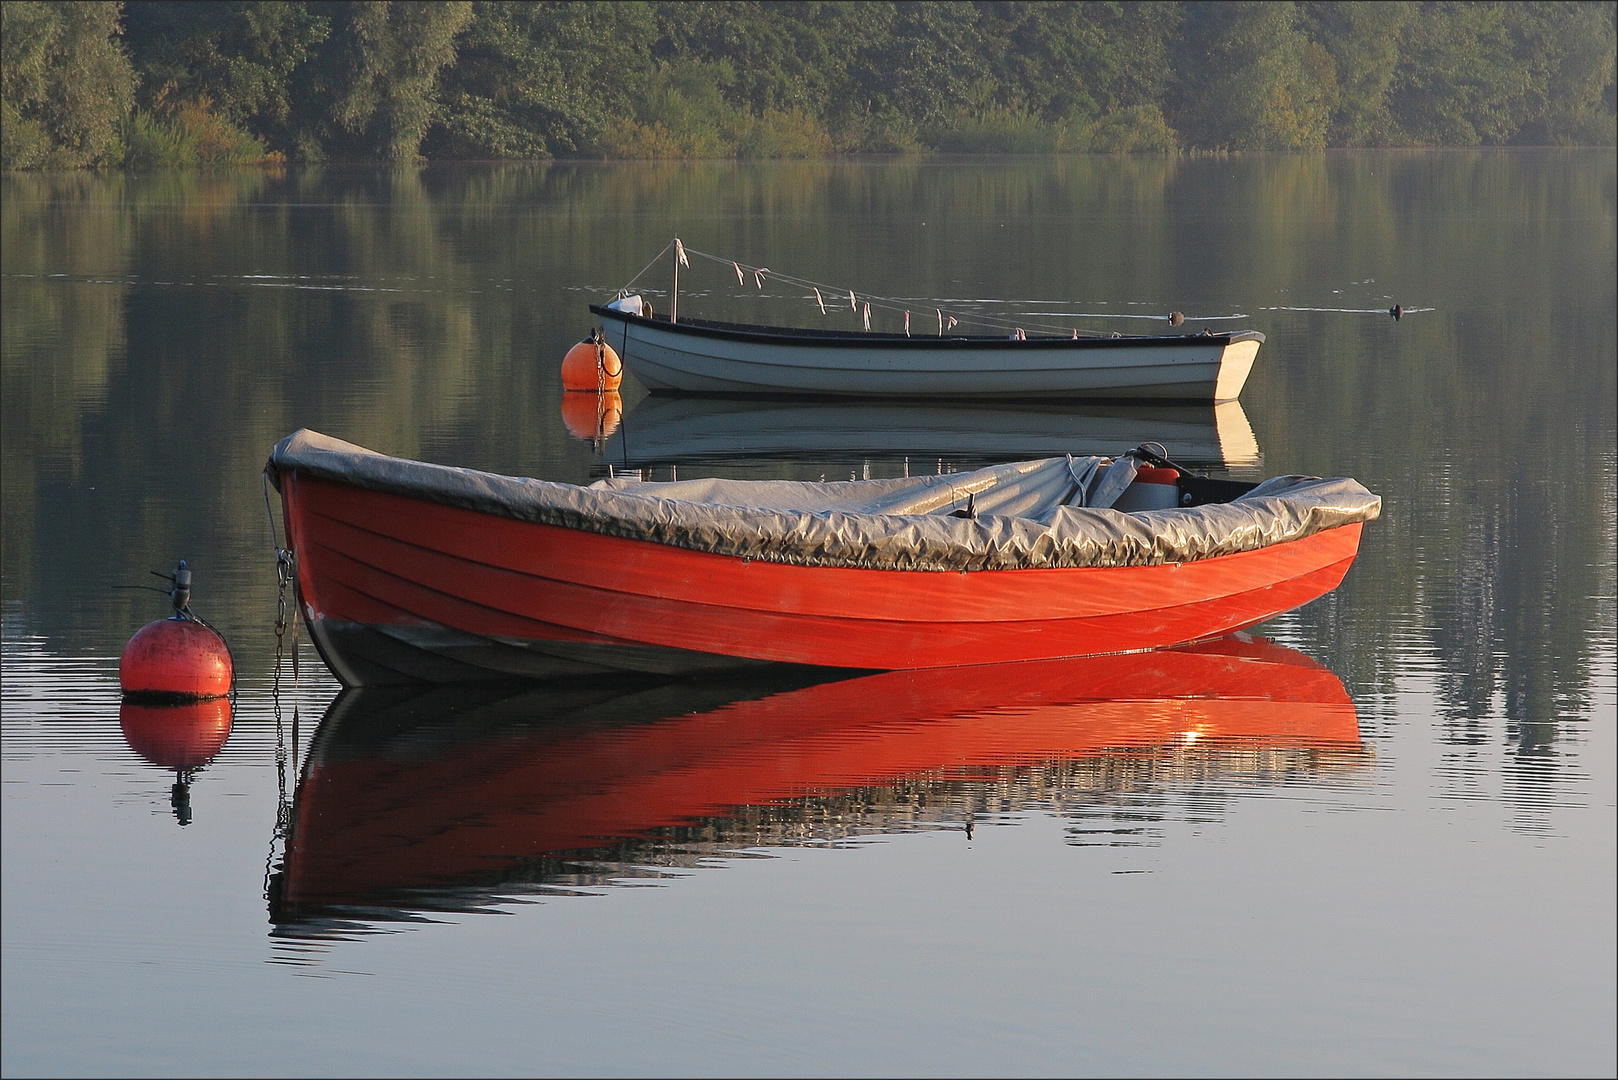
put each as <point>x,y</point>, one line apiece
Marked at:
<point>1178,396</point>
<point>366,655</point>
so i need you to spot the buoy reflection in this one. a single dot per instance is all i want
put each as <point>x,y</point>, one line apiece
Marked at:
<point>592,417</point>
<point>182,737</point>
<point>438,799</point>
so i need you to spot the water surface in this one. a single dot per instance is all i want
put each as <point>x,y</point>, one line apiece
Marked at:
<point>1375,836</point>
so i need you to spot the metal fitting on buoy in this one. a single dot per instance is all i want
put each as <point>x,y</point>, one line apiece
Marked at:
<point>180,594</point>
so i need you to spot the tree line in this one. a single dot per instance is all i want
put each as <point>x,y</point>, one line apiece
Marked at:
<point>156,83</point>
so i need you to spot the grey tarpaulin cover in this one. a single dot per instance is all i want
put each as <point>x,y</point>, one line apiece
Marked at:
<point>1029,513</point>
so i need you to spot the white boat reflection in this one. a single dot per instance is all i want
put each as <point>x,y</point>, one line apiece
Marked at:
<point>674,431</point>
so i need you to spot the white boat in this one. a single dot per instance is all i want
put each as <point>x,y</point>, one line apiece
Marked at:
<point>700,356</point>
<point>690,430</point>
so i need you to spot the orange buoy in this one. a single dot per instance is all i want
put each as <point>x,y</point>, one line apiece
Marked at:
<point>176,658</point>
<point>179,737</point>
<point>592,417</point>
<point>592,365</point>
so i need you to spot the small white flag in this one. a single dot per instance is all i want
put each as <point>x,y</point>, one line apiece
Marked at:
<point>940,321</point>
<point>758,276</point>
<point>907,324</point>
<point>679,252</point>
<point>739,279</point>
<point>821,302</point>
<point>1075,333</point>
<point>867,316</point>
<point>851,305</point>
<point>951,325</point>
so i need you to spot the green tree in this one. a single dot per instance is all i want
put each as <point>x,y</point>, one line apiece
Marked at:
<point>535,79</point>
<point>1250,79</point>
<point>242,56</point>
<point>777,56</point>
<point>66,85</point>
<point>375,95</point>
<point>1362,37</point>
<point>227,80</point>
<point>926,67</point>
<point>1062,60</point>
<point>1569,51</point>
<point>1459,80</point>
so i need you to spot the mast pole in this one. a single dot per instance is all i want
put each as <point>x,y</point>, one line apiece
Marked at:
<point>674,297</point>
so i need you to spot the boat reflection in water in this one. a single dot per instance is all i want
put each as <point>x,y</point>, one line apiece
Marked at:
<point>675,431</point>
<point>456,798</point>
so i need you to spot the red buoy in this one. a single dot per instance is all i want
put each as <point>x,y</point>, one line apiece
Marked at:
<point>181,658</point>
<point>175,658</point>
<point>179,737</point>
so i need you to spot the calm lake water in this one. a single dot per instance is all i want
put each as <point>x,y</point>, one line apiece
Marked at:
<point>1376,837</point>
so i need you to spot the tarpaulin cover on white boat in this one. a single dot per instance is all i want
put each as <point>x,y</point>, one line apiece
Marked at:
<point>1054,512</point>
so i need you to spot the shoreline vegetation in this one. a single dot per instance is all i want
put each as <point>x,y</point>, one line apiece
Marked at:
<point>152,84</point>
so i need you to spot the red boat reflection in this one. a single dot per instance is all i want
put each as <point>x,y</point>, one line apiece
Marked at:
<point>459,787</point>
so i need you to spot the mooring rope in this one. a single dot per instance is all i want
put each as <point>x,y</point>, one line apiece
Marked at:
<point>896,304</point>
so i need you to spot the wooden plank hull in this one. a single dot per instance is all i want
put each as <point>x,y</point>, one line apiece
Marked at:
<point>695,356</point>
<point>398,589</point>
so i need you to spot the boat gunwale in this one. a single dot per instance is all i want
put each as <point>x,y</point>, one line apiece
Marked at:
<point>864,339</point>
<point>641,561</point>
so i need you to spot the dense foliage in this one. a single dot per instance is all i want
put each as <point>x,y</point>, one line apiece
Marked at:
<point>164,82</point>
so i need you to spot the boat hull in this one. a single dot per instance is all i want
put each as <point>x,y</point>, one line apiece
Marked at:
<point>400,589</point>
<point>709,358</point>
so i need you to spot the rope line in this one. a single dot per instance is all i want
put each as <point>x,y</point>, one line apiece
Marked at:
<point>882,303</point>
<point>625,290</point>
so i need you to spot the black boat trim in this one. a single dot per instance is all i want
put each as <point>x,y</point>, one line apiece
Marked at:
<point>788,335</point>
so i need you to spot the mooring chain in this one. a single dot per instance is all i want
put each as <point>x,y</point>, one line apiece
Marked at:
<point>283,574</point>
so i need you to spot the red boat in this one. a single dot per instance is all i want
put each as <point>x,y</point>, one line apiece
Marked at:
<point>432,798</point>
<point>409,571</point>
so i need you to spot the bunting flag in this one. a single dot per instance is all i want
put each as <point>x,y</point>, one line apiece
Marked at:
<point>951,325</point>
<point>907,324</point>
<point>758,276</point>
<point>867,316</point>
<point>851,305</point>
<point>821,302</point>
<point>739,279</point>
<point>679,252</point>
<point>940,321</point>
<point>1075,333</point>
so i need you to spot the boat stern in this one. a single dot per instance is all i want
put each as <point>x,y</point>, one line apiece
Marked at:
<point>1235,364</point>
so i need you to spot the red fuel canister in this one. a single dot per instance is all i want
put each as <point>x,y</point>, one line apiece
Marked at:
<point>1152,489</point>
